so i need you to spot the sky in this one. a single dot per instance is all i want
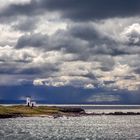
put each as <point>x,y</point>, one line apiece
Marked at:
<point>70,51</point>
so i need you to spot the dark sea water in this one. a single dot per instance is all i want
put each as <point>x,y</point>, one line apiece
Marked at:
<point>73,128</point>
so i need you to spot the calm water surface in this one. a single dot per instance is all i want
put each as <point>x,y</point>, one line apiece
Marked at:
<point>72,128</point>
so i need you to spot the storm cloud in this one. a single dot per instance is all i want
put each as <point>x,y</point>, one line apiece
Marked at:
<point>76,10</point>
<point>89,46</point>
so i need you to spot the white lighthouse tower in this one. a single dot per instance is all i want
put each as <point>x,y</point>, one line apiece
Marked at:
<point>28,101</point>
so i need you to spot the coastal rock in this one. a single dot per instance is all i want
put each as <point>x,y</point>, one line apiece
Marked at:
<point>72,110</point>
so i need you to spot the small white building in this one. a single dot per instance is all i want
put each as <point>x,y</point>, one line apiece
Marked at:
<point>33,104</point>
<point>28,101</point>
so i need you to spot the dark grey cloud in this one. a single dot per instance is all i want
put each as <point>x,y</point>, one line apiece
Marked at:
<point>93,9</point>
<point>81,39</point>
<point>47,70</point>
<point>18,9</point>
<point>137,70</point>
<point>8,68</point>
<point>27,24</point>
<point>87,51</point>
<point>85,32</point>
<point>60,40</point>
<point>34,40</point>
<point>109,82</point>
<point>90,75</point>
<point>97,41</point>
<point>19,69</point>
<point>14,12</point>
<point>106,68</point>
<point>75,9</point>
<point>107,62</point>
<point>76,38</point>
<point>88,32</point>
<point>129,77</point>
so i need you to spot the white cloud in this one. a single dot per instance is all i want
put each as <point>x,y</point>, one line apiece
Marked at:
<point>48,24</point>
<point>5,3</point>
<point>9,54</point>
<point>89,86</point>
<point>131,34</point>
<point>76,81</point>
<point>123,77</point>
<point>73,74</point>
<point>8,35</point>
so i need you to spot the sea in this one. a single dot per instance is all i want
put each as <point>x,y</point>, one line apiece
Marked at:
<point>104,127</point>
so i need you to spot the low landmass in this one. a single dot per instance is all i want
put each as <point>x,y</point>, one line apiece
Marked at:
<point>43,111</point>
<point>25,111</point>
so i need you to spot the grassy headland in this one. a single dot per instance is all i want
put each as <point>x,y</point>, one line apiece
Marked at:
<point>24,111</point>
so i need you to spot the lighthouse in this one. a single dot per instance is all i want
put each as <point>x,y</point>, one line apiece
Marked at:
<point>28,101</point>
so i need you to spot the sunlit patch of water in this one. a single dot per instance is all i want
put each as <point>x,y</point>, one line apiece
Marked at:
<point>72,128</point>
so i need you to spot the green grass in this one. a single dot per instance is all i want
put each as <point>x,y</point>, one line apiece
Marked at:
<point>24,111</point>
<point>28,111</point>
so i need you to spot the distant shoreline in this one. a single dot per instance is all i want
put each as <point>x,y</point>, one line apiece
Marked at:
<point>15,111</point>
<point>75,104</point>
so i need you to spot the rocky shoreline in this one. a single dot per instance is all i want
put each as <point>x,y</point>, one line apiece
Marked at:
<point>55,112</point>
<point>115,113</point>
